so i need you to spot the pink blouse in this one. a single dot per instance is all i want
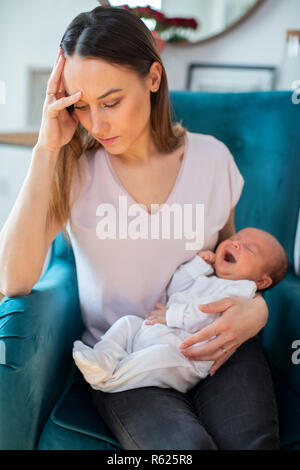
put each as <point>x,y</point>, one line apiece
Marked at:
<point>125,256</point>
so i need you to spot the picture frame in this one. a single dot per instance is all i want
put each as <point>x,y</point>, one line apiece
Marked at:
<point>230,77</point>
<point>37,86</point>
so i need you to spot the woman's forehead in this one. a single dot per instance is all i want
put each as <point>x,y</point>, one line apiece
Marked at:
<point>94,73</point>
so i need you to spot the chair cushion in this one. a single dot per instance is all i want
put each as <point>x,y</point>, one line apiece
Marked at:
<point>288,403</point>
<point>75,423</point>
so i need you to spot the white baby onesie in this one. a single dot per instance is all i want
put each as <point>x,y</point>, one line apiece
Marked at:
<point>132,354</point>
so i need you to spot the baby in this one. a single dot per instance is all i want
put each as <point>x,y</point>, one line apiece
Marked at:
<point>137,353</point>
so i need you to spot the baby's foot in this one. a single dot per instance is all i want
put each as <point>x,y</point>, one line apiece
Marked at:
<point>90,364</point>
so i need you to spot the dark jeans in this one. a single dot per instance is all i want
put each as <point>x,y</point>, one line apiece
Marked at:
<point>234,409</point>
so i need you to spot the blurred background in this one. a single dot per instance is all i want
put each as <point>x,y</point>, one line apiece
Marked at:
<point>215,45</point>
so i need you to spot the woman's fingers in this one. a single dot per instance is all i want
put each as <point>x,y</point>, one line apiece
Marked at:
<point>218,306</point>
<point>60,52</point>
<point>54,80</point>
<point>202,335</point>
<point>56,89</point>
<point>211,347</point>
<point>61,88</point>
<point>218,362</point>
<point>62,103</point>
<point>220,349</point>
<point>215,328</point>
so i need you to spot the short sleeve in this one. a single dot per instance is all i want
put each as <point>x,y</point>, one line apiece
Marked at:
<point>215,181</point>
<point>236,180</point>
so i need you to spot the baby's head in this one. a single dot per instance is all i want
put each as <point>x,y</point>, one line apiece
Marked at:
<point>252,254</point>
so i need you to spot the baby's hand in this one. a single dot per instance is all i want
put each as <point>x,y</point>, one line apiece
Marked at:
<point>208,256</point>
<point>157,316</point>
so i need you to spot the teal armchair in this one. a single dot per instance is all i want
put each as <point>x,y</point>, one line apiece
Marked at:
<point>44,402</point>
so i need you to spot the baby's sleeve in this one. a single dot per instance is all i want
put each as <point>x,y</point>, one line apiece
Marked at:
<point>185,275</point>
<point>188,317</point>
<point>240,288</point>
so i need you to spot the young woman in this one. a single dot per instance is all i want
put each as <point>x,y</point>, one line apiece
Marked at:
<point>107,138</point>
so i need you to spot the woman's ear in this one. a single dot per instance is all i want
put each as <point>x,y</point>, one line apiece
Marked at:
<point>155,76</point>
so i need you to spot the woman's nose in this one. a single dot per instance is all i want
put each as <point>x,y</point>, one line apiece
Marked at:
<point>99,127</point>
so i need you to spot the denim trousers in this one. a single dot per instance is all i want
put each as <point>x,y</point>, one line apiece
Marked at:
<point>234,409</point>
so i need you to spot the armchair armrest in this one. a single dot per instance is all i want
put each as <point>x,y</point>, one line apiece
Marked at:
<point>36,336</point>
<point>283,328</point>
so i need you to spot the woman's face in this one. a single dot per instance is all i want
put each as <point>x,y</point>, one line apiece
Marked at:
<point>124,114</point>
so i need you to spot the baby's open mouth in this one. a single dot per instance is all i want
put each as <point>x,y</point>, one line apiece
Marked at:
<point>229,257</point>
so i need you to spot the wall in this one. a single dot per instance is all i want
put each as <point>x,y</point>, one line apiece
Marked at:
<point>260,40</point>
<point>30,32</point>
<point>38,28</point>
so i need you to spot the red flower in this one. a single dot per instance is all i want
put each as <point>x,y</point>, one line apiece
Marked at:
<point>174,21</point>
<point>125,7</point>
<point>161,44</point>
<point>182,22</point>
<point>162,22</point>
<point>157,15</point>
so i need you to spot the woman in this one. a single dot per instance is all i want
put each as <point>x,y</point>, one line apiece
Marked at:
<point>106,134</point>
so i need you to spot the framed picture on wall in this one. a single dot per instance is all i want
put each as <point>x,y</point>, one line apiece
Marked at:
<point>37,86</point>
<point>230,78</point>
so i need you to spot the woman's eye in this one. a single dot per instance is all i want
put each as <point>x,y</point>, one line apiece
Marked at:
<point>111,105</point>
<point>83,108</point>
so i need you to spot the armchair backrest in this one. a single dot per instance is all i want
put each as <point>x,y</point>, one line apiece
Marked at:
<point>261,129</point>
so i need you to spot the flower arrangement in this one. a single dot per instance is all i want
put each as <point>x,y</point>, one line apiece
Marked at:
<point>166,29</point>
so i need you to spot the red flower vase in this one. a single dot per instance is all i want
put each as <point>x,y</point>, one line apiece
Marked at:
<point>161,44</point>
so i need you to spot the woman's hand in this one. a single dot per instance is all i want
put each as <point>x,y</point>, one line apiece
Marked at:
<point>57,126</point>
<point>240,320</point>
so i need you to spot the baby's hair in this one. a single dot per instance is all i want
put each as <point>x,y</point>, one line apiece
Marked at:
<point>279,267</point>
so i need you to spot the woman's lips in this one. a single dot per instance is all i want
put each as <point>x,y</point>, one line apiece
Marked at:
<point>108,141</point>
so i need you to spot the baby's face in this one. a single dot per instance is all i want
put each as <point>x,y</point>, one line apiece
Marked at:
<point>246,255</point>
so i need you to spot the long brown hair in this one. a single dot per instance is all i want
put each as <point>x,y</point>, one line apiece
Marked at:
<point>121,38</point>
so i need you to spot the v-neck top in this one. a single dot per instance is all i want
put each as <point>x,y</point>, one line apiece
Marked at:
<point>173,190</point>
<point>125,257</point>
